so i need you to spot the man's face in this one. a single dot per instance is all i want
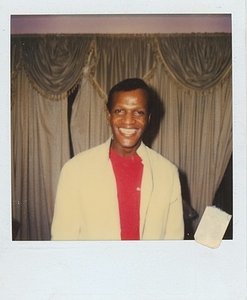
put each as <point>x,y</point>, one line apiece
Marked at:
<point>128,119</point>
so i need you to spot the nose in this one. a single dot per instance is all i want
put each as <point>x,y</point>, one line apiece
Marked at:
<point>128,118</point>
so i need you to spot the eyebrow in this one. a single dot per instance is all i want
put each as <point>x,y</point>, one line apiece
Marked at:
<point>120,106</point>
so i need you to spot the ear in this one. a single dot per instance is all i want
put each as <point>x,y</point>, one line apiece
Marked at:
<point>108,116</point>
<point>149,118</point>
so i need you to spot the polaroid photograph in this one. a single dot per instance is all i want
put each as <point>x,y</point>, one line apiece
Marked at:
<point>123,151</point>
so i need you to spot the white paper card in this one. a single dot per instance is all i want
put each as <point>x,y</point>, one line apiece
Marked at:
<point>212,227</point>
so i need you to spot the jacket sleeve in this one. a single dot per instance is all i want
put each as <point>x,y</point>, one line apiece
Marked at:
<point>65,224</point>
<point>175,222</point>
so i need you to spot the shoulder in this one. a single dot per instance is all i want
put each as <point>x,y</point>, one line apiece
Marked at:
<point>159,161</point>
<point>91,152</point>
<point>89,157</point>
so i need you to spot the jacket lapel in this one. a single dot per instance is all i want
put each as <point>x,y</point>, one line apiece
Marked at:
<point>146,187</point>
<point>111,201</point>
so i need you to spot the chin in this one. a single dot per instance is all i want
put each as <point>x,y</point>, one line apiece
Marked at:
<point>129,143</point>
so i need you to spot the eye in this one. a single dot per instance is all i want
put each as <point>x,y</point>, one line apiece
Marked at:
<point>118,111</point>
<point>140,112</point>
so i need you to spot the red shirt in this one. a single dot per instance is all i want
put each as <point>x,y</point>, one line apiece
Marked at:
<point>128,173</point>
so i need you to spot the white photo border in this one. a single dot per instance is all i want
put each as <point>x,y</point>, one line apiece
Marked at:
<point>126,270</point>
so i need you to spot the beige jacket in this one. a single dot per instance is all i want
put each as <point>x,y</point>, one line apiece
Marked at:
<point>86,206</point>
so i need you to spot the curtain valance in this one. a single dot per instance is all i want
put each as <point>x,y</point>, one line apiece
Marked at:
<point>197,61</point>
<point>54,63</point>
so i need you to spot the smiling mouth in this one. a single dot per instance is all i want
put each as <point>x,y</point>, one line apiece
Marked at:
<point>127,132</point>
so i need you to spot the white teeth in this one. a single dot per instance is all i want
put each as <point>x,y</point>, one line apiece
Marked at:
<point>127,131</point>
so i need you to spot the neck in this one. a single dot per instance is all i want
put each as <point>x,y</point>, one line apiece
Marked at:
<point>124,151</point>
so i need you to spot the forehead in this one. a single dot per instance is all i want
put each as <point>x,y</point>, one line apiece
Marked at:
<point>135,97</point>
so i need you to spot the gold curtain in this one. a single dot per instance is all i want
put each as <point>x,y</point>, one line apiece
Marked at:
<point>190,73</point>
<point>123,56</point>
<point>197,61</point>
<point>195,84</point>
<point>39,133</point>
<point>54,63</point>
<point>44,68</point>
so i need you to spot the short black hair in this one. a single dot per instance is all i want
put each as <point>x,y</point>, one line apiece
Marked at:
<point>128,85</point>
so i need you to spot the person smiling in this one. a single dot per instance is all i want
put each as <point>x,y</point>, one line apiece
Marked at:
<point>122,189</point>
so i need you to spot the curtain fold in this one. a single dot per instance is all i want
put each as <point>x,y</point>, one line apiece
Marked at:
<point>196,135</point>
<point>55,63</point>
<point>205,137</point>
<point>191,75</point>
<point>197,61</point>
<point>40,147</point>
<point>89,126</point>
<point>123,56</point>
